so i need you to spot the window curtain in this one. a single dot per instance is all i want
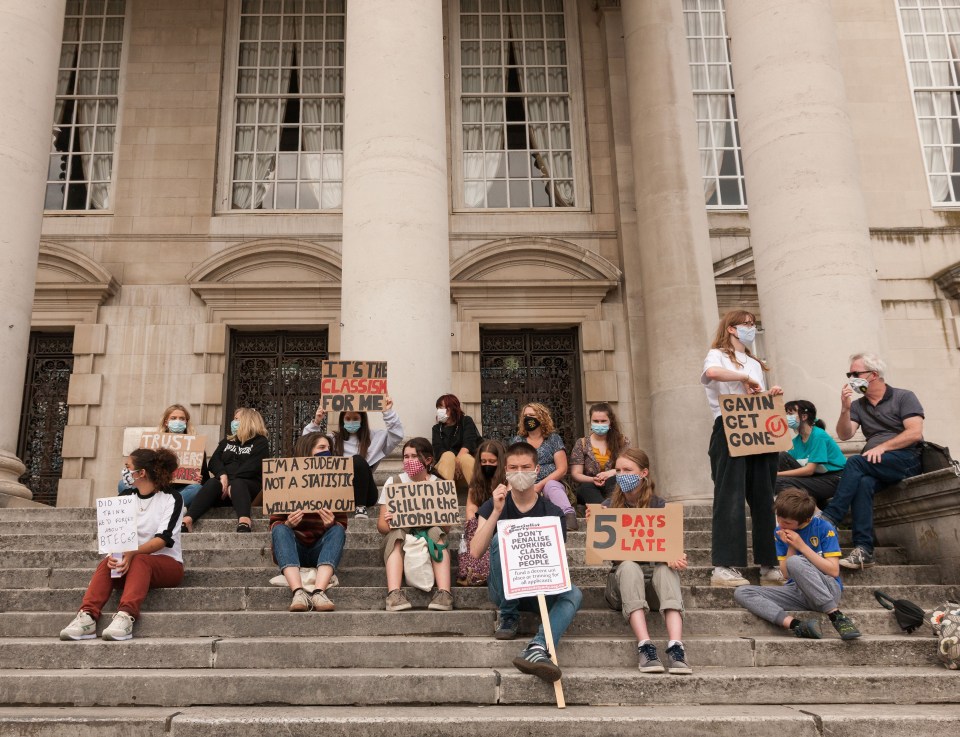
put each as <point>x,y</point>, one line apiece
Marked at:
<point>482,117</point>
<point>712,110</point>
<point>327,166</point>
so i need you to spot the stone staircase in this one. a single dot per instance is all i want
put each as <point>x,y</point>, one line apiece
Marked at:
<point>221,655</point>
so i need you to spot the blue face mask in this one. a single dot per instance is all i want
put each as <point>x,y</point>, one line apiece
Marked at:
<point>628,481</point>
<point>599,429</point>
<point>323,453</point>
<point>746,335</point>
<point>234,426</point>
<point>351,427</point>
<point>176,426</point>
<point>793,422</point>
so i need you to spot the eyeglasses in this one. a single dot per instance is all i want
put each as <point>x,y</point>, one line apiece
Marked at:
<point>749,324</point>
<point>851,374</point>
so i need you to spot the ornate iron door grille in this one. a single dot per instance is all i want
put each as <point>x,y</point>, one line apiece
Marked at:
<point>44,413</point>
<point>522,366</point>
<point>277,374</point>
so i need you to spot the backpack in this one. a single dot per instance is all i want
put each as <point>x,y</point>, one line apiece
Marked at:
<point>909,616</point>
<point>945,620</point>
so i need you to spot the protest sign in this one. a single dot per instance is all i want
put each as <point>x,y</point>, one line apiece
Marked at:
<point>117,523</point>
<point>353,386</point>
<point>533,557</point>
<point>754,423</point>
<point>188,449</point>
<point>634,534</point>
<point>307,484</point>
<point>422,504</point>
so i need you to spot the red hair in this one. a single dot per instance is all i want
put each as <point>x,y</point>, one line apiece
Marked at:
<point>452,405</point>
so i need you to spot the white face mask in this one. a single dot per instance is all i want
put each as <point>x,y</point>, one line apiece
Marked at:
<point>746,335</point>
<point>521,480</point>
<point>859,385</point>
<point>442,415</point>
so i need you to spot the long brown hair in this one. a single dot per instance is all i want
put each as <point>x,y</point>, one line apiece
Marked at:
<point>306,443</point>
<point>615,439</point>
<point>723,339</point>
<point>481,488</point>
<point>159,465</point>
<point>363,435</point>
<point>647,486</point>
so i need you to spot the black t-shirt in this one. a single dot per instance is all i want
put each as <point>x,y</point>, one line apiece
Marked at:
<point>543,508</point>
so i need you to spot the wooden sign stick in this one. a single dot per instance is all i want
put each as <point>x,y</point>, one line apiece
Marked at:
<point>545,620</point>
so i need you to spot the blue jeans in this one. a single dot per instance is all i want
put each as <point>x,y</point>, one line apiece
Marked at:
<point>187,491</point>
<point>562,607</point>
<point>860,480</point>
<point>326,551</point>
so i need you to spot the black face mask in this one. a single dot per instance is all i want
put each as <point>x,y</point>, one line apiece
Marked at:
<point>488,471</point>
<point>323,453</point>
<point>530,423</point>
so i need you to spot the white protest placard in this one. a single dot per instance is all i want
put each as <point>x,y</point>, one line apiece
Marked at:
<point>117,524</point>
<point>533,557</point>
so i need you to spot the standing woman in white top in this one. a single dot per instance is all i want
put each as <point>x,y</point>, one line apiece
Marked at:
<point>731,368</point>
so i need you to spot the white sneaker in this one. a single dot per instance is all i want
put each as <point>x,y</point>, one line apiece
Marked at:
<point>728,578</point>
<point>121,628</point>
<point>770,576</point>
<point>83,627</point>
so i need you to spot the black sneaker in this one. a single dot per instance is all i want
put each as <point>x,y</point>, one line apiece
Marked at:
<point>845,626</point>
<point>535,661</point>
<point>508,628</point>
<point>808,629</point>
<point>360,513</point>
<point>647,659</point>
<point>677,660</point>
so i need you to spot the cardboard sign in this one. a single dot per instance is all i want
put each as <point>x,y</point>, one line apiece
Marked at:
<point>353,386</point>
<point>307,484</point>
<point>533,557</point>
<point>422,504</point>
<point>117,524</point>
<point>754,423</point>
<point>634,534</point>
<point>189,450</point>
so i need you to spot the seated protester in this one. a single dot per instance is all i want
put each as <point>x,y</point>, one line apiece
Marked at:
<point>309,540</point>
<point>808,550</point>
<point>488,474</point>
<point>417,462</point>
<point>892,422</point>
<point>815,461</point>
<point>354,438</point>
<point>156,563</point>
<point>455,440</point>
<point>319,423</point>
<point>515,500</point>
<point>536,428</point>
<point>625,582</point>
<point>176,419</point>
<point>236,468</point>
<point>593,457</point>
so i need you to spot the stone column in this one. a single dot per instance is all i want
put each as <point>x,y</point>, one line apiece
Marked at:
<point>676,269</point>
<point>396,253</point>
<point>30,34</point>
<point>816,276</point>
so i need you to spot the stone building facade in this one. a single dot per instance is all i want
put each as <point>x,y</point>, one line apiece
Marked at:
<point>506,199</point>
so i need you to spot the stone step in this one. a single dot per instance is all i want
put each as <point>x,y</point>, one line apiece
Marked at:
<point>39,578</point>
<point>378,623</point>
<point>354,598</point>
<point>227,557</point>
<point>461,686</point>
<point>448,652</point>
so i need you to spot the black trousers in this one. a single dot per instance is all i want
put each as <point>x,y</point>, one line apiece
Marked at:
<point>364,487</point>
<point>735,480</point>
<point>821,486</point>
<point>242,492</point>
<point>590,493</point>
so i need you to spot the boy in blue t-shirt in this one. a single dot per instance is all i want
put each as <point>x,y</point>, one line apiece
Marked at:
<point>809,555</point>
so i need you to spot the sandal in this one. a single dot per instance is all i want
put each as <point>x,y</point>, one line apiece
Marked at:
<point>244,527</point>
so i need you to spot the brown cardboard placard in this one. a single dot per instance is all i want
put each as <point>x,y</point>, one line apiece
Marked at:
<point>422,504</point>
<point>353,386</point>
<point>754,424</point>
<point>643,534</point>
<point>307,484</point>
<point>188,448</point>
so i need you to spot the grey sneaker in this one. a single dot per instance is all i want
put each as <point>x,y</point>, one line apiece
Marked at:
<point>397,601</point>
<point>773,576</point>
<point>361,513</point>
<point>442,601</point>
<point>647,659</point>
<point>509,627</point>
<point>83,627</point>
<point>121,628</point>
<point>321,602</point>
<point>300,601</point>
<point>535,661</point>
<point>727,577</point>
<point>845,626</point>
<point>858,559</point>
<point>677,661</point>
<point>808,629</point>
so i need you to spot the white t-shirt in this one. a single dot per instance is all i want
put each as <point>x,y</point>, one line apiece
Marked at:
<point>401,479</point>
<point>160,515</point>
<point>716,357</point>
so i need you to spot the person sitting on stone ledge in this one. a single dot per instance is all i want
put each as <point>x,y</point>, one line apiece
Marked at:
<point>488,474</point>
<point>892,423</point>
<point>455,440</point>
<point>417,466</point>
<point>156,563</point>
<point>815,462</point>
<point>808,550</point>
<point>593,457</point>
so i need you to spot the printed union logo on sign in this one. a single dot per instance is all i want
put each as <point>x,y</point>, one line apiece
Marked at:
<point>533,557</point>
<point>754,424</point>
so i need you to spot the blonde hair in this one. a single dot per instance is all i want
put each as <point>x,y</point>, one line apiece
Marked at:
<point>647,486</point>
<point>166,416</point>
<point>724,340</point>
<point>541,412</point>
<point>251,424</point>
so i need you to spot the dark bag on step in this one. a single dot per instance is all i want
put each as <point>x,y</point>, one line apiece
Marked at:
<point>935,457</point>
<point>909,616</point>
